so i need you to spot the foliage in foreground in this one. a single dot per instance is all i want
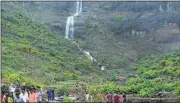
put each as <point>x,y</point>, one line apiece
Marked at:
<point>18,77</point>
<point>67,100</point>
<point>156,74</point>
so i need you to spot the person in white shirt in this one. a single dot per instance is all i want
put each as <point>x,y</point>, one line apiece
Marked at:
<point>12,88</point>
<point>39,95</point>
<point>24,96</point>
<point>87,97</point>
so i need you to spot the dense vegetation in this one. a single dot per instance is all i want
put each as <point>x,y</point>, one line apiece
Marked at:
<point>156,73</point>
<point>37,52</point>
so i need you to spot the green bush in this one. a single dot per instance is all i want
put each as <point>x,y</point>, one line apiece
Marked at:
<point>146,92</point>
<point>132,81</point>
<point>150,74</point>
<point>85,64</point>
<point>110,87</point>
<point>163,63</point>
<point>67,99</point>
<point>14,77</point>
<point>62,91</point>
<point>177,91</point>
<point>122,89</point>
<point>168,87</point>
<point>132,89</point>
<point>69,76</point>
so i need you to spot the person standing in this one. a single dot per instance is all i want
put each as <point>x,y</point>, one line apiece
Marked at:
<point>3,97</point>
<point>18,98</point>
<point>12,88</point>
<point>17,90</point>
<point>124,97</point>
<point>109,97</point>
<point>49,92</point>
<point>116,98</point>
<point>27,91</point>
<point>9,98</point>
<point>52,94</point>
<point>24,95</point>
<point>39,95</point>
<point>33,96</point>
<point>87,97</point>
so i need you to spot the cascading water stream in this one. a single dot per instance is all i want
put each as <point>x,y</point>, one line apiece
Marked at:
<point>69,33</point>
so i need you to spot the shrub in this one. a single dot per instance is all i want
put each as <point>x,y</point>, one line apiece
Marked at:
<point>14,77</point>
<point>122,89</point>
<point>110,87</point>
<point>69,75</point>
<point>163,63</point>
<point>146,92</point>
<point>168,87</point>
<point>67,99</point>
<point>132,89</point>
<point>150,74</point>
<point>62,91</point>
<point>132,81</point>
<point>83,64</point>
<point>98,98</point>
<point>177,91</point>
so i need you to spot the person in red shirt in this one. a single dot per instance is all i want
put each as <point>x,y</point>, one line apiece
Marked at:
<point>118,98</point>
<point>109,97</point>
<point>2,97</point>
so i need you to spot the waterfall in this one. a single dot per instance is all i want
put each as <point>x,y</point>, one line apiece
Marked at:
<point>69,28</point>
<point>69,33</point>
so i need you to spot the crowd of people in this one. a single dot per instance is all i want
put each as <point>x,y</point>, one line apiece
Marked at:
<point>21,94</point>
<point>29,94</point>
<point>115,97</point>
<point>24,94</point>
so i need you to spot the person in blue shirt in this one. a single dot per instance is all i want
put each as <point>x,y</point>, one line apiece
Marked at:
<point>18,99</point>
<point>49,93</point>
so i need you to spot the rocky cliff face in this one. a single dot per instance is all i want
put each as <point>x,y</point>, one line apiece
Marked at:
<point>116,33</point>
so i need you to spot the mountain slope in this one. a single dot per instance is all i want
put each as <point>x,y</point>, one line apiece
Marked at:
<point>114,35</point>
<point>41,54</point>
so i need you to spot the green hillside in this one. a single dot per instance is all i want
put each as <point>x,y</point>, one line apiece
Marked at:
<point>156,73</point>
<point>37,52</point>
